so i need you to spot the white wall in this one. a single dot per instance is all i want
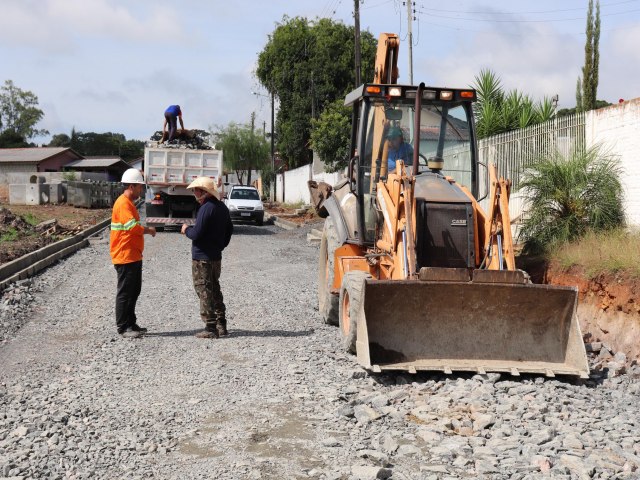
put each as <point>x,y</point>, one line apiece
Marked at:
<point>295,184</point>
<point>617,129</point>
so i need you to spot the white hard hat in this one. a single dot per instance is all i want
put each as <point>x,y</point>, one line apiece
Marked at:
<point>207,184</point>
<point>132,175</point>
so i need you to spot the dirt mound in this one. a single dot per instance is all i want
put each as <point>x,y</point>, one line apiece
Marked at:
<point>608,307</point>
<point>10,222</point>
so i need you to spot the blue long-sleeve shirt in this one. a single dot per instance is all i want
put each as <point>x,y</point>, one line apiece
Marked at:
<point>404,153</point>
<point>209,234</point>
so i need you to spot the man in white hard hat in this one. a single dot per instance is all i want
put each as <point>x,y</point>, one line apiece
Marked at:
<point>127,243</point>
<point>210,235</point>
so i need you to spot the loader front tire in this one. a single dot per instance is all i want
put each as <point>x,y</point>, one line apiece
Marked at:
<point>351,307</point>
<point>327,302</point>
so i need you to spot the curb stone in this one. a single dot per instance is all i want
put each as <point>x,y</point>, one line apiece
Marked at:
<point>34,262</point>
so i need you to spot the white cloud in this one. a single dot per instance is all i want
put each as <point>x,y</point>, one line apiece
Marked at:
<point>56,25</point>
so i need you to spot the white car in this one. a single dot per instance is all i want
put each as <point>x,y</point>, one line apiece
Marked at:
<point>244,204</point>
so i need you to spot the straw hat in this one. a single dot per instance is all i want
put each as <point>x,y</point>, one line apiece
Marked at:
<point>207,184</point>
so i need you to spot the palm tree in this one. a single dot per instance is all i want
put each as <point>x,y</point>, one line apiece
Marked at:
<point>498,111</point>
<point>569,196</point>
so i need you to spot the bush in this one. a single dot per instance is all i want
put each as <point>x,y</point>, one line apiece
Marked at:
<point>570,196</point>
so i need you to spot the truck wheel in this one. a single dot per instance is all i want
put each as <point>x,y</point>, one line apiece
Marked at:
<point>351,307</point>
<point>327,302</point>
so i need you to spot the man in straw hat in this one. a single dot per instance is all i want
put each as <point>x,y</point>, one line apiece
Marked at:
<point>210,235</point>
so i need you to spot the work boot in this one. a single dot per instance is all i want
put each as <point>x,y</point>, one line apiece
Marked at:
<point>130,333</point>
<point>138,328</point>
<point>222,330</point>
<point>207,334</point>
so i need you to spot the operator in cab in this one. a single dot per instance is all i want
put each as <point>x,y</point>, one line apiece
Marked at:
<point>398,149</point>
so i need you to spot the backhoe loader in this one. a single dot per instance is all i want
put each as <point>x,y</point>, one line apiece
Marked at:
<point>413,270</point>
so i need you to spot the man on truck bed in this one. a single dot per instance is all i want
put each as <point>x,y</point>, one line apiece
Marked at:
<point>171,116</point>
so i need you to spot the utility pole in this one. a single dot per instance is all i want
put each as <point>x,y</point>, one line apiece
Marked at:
<point>356,14</point>
<point>273,158</point>
<point>410,30</point>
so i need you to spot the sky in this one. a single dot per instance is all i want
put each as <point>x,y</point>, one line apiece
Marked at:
<point>115,65</point>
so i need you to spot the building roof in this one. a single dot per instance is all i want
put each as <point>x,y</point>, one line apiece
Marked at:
<point>96,162</point>
<point>31,155</point>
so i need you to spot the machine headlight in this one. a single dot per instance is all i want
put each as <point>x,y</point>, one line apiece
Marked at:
<point>232,206</point>
<point>259,207</point>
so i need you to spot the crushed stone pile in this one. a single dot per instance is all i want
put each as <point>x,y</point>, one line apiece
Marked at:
<point>195,139</point>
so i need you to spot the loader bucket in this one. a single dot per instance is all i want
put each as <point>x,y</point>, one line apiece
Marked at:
<point>417,325</point>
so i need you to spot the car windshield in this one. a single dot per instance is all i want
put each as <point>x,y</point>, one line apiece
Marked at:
<point>244,194</point>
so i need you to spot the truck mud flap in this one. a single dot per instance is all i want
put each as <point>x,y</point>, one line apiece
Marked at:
<point>449,326</point>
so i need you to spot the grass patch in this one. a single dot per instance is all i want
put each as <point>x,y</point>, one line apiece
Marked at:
<point>616,251</point>
<point>9,236</point>
<point>31,219</point>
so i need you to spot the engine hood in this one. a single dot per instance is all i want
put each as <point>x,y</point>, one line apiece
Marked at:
<point>433,187</point>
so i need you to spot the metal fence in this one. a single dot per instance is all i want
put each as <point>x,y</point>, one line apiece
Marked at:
<point>513,152</point>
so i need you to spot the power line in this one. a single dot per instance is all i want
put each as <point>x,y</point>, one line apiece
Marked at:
<point>489,20</point>
<point>485,12</point>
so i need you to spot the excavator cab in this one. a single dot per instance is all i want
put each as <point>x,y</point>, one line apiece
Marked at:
<point>440,136</point>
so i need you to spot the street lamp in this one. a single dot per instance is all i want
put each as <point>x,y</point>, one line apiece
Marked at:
<point>273,161</point>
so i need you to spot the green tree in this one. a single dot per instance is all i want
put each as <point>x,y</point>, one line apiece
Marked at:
<point>95,144</point>
<point>330,135</point>
<point>11,139</point>
<point>498,111</point>
<point>19,113</point>
<point>308,65</point>
<point>587,86</point>
<point>569,196</point>
<point>244,150</point>
<point>60,140</point>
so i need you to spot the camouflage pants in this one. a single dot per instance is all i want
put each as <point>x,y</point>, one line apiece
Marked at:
<point>206,276</point>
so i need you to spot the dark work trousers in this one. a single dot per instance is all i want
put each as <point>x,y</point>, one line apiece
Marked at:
<point>173,125</point>
<point>129,286</point>
<point>206,281</point>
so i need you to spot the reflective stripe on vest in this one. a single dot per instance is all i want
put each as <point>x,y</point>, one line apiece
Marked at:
<point>127,226</point>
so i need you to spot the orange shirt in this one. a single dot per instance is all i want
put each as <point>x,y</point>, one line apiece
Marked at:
<point>127,235</point>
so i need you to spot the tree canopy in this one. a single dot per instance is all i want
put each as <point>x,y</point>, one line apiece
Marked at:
<point>19,114</point>
<point>244,150</point>
<point>94,144</point>
<point>308,65</point>
<point>330,135</point>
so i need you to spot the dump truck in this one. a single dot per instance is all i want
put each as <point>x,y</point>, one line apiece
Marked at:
<point>416,274</point>
<point>168,172</point>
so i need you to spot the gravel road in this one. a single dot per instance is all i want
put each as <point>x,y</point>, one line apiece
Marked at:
<point>277,399</point>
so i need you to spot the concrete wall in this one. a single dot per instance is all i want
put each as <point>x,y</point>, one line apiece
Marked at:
<point>617,129</point>
<point>294,183</point>
<point>9,172</point>
<point>50,177</point>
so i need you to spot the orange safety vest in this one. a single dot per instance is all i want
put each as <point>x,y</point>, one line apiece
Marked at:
<point>127,235</point>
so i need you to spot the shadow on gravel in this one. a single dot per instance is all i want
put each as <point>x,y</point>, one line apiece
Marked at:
<point>236,333</point>
<point>243,229</point>
<point>179,333</point>
<point>270,333</point>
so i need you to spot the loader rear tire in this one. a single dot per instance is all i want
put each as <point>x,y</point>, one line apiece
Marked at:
<point>327,302</point>
<point>351,307</point>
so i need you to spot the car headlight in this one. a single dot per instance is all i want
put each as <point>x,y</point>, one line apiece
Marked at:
<point>259,207</point>
<point>232,206</point>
